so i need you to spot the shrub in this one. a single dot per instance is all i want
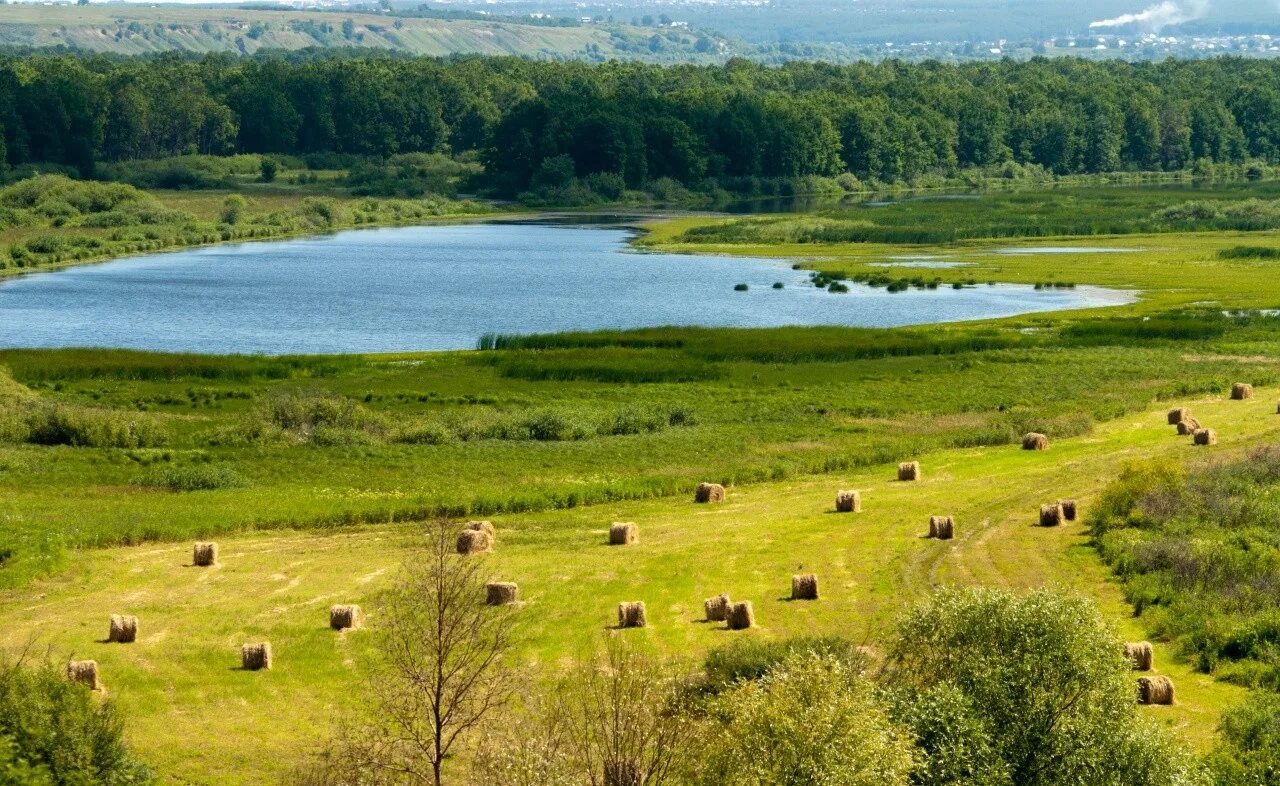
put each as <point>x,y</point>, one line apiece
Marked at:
<point>197,477</point>
<point>811,721</point>
<point>1248,752</point>
<point>62,424</point>
<point>751,659</point>
<point>53,724</point>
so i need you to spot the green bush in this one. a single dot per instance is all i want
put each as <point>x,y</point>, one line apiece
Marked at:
<point>751,659</point>
<point>54,732</point>
<point>196,477</point>
<point>63,424</point>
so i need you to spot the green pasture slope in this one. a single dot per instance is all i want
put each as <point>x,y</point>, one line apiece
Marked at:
<point>313,473</point>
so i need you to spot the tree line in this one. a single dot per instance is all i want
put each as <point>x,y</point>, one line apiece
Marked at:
<point>539,123</point>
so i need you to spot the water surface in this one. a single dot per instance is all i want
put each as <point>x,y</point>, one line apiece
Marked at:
<point>442,287</point>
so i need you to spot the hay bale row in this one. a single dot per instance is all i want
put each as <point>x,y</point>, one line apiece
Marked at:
<point>717,608</point>
<point>255,657</point>
<point>1050,515</point>
<point>709,492</point>
<point>501,593</point>
<point>623,533</point>
<point>474,541</point>
<point>848,502</point>
<point>804,587</point>
<point>909,470</point>
<point>1241,391</point>
<point>1035,441</point>
<point>204,555</point>
<point>124,629</point>
<point>942,527</point>
<point>84,672</point>
<point>1140,654</point>
<point>346,616</point>
<point>1188,427</point>
<point>1155,690</point>
<point>1205,436</point>
<point>741,616</point>
<point>631,614</point>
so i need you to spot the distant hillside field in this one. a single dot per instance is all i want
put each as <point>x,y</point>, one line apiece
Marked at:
<point>140,30</point>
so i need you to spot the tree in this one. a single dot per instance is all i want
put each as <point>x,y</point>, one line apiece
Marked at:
<point>440,671</point>
<point>267,168</point>
<point>812,721</point>
<point>1043,679</point>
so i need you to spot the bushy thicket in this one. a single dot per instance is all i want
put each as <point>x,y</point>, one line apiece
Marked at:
<point>54,733</point>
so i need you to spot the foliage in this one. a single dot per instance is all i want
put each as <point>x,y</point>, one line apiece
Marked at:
<point>810,721</point>
<point>752,659</point>
<point>195,477</point>
<point>52,731</point>
<point>1043,678</point>
<point>1249,751</point>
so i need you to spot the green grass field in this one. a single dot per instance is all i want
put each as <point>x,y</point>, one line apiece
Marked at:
<point>180,681</point>
<point>313,474</point>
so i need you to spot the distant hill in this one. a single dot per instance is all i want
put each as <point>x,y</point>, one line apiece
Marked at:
<point>138,29</point>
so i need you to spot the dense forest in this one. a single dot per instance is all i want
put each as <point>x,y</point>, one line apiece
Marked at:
<point>616,125</point>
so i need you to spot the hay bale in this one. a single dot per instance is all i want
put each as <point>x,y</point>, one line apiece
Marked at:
<point>1050,515</point>
<point>623,533</point>
<point>1178,415</point>
<point>204,554</point>
<point>1069,509</point>
<point>631,615</point>
<point>1139,652</point>
<point>848,502</point>
<point>254,657</point>
<point>84,672</point>
<point>484,526</point>
<point>709,492</point>
<point>717,608</point>
<point>1155,690</point>
<point>346,616</point>
<point>909,470</point>
<point>1241,391</point>
<point>804,587</point>
<point>942,527</point>
<point>1035,441</point>
<point>1188,427</point>
<point>474,541</point>
<point>1206,436</point>
<point>124,629</point>
<point>501,593</point>
<point>740,616</point>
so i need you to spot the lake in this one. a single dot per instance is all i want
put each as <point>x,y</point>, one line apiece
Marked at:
<point>442,287</point>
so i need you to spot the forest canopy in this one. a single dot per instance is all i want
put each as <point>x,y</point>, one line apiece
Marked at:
<point>541,124</point>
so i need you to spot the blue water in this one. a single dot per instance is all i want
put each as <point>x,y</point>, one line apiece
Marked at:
<point>442,287</point>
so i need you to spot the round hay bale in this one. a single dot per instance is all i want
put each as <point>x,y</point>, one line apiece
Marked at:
<point>254,657</point>
<point>84,672</point>
<point>942,527</point>
<point>1069,509</point>
<point>474,541</point>
<point>1050,515</point>
<point>709,492</point>
<point>124,629</point>
<point>1155,690</point>
<point>631,615</point>
<point>1035,441</point>
<point>741,616</point>
<point>1140,653</point>
<point>1188,427</point>
<point>848,502</point>
<point>909,470</point>
<point>1241,391</point>
<point>1206,436</point>
<point>501,593</point>
<point>717,608</point>
<point>346,616</point>
<point>623,533</point>
<point>1178,415</point>
<point>486,527</point>
<point>804,587</point>
<point>204,554</point>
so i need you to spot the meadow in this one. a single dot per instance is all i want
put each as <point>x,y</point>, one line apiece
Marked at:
<point>314,473</point>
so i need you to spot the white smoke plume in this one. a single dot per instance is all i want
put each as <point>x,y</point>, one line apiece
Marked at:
<point>1158,16</point>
